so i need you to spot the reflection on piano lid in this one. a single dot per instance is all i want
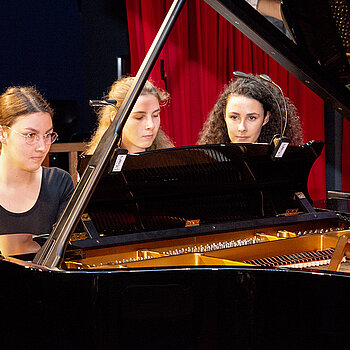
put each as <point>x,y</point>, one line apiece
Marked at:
<point>325,36</point>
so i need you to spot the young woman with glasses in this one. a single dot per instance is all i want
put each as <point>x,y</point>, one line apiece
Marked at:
<point>249,110</point>
<point>31,196</point>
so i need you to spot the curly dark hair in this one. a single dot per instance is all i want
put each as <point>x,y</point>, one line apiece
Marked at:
<point>215,130</point>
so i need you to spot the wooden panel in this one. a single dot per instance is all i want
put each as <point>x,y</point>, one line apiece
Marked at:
<point>72,148</point>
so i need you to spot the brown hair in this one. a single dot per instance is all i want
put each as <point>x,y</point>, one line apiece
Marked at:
<point>17,101</point>
<point>118,92</point>
<point>215,130</point>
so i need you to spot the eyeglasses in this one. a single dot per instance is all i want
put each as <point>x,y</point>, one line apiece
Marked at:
<point>32,137</point>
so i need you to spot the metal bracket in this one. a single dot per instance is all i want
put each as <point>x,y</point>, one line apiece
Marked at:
<point>339,251</point>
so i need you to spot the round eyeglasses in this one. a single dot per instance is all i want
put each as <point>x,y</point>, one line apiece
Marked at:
<point>31,138</point>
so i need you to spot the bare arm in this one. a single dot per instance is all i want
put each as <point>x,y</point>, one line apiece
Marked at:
<point>20,243</point>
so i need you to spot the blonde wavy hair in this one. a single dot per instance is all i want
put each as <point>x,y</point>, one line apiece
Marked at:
<point>118,92</point>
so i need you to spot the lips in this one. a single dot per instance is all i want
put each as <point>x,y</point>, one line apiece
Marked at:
<point>242,138</point>
<point>37,159</point>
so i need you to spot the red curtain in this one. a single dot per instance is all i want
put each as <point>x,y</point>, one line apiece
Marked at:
<point>200,55</point>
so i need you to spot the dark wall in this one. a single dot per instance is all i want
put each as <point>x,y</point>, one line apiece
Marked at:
<point>68,50</point>
<point>105,37</point>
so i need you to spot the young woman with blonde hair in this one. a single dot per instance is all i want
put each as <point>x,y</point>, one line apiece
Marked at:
<point>142,130</point>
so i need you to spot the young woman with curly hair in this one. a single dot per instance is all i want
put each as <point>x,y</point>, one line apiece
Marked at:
<point>250,110</point>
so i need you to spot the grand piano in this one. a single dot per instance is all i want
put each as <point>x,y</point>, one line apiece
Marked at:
<point>200,247</point>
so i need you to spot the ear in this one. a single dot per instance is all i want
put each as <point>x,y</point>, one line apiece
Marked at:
<point>2,135</point>
<point>267,118</point>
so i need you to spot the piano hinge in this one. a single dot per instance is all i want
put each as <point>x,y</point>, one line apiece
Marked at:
<point>300,197</point>
<point>89,226</point>
<point>192,223</point>
<point>76,254</point>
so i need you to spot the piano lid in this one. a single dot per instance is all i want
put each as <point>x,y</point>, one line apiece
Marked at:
<point>292,56</point>
<point>318,54</point>
<point>159,191</point>
<point>322,28</point>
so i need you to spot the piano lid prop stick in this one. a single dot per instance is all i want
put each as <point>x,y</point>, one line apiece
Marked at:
<point>52,252</point>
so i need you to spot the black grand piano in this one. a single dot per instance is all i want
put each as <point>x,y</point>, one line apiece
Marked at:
<point>200,247</point>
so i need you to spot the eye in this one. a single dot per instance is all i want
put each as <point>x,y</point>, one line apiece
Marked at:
<point>47,136</point>
<point>31,136</point>
<point>233,117</point>
<point>252,117</point>
<point>157,115</point>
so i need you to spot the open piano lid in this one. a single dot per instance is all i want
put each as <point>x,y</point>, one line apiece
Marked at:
<point>163,194</point>
<point>324,35</point>
<point>292,56</point>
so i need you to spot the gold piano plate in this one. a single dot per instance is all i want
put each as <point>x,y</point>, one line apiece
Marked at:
<point>195,259</point>
<point>218,250</point>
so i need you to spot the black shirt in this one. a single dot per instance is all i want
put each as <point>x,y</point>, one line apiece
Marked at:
<point>56,189</point>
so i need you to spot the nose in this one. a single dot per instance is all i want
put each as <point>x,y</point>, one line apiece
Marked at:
<point>40,144</point>
<point>242,125</point>
<point>149,123</point>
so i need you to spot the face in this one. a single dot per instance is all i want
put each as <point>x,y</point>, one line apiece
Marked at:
<point>14,146</point>
<point>244,119</point>
<point>142,126</point>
